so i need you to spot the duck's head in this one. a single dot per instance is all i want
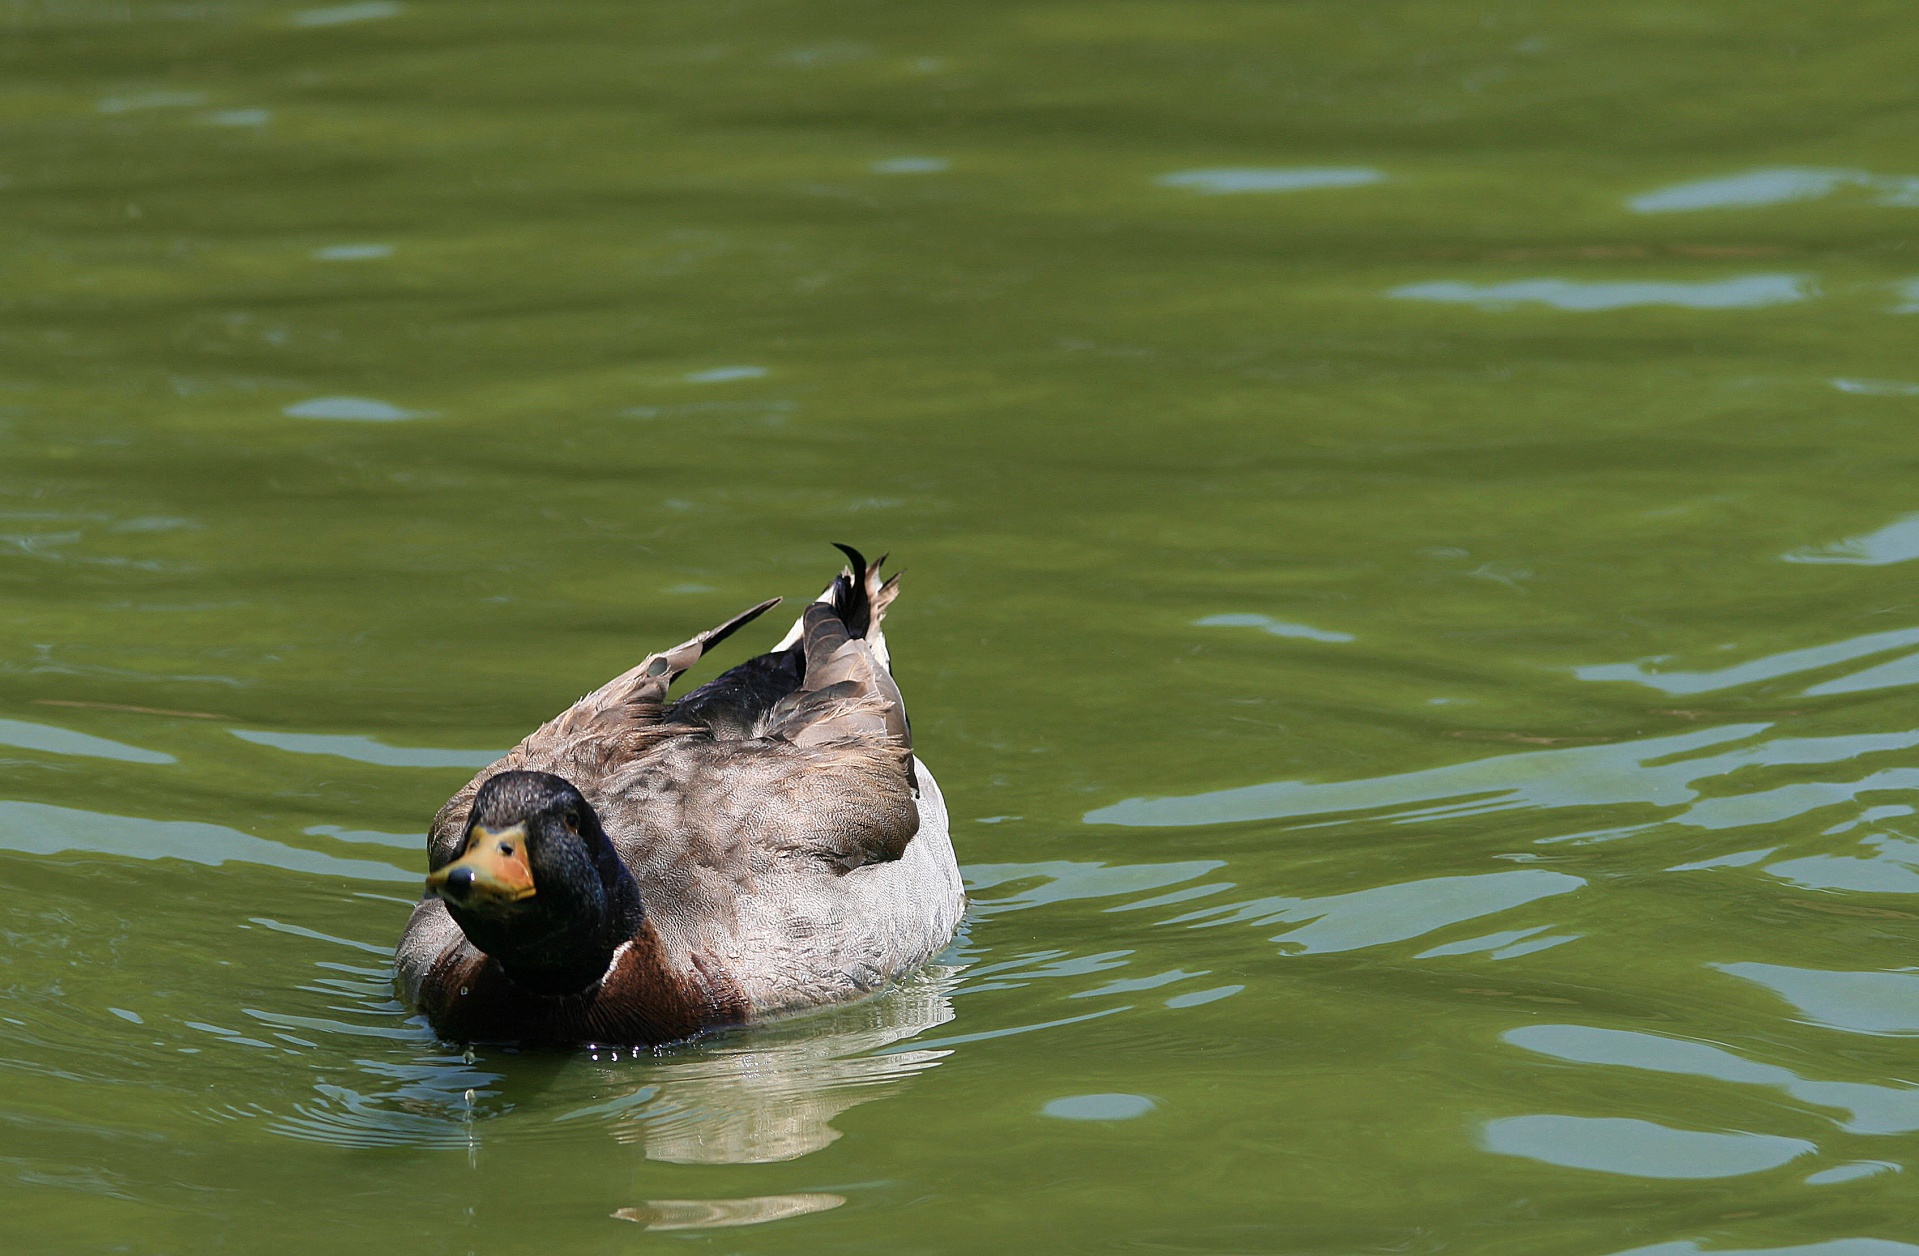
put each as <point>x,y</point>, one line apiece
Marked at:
<point>537,884</point>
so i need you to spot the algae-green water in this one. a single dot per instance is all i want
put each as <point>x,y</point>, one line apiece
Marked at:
<point>1410,514</point>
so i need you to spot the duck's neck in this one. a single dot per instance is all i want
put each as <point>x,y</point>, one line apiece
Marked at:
<point>573,956</point>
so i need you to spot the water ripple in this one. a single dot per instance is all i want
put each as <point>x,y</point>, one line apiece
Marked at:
<point>1743,293</point>
<point>1641,771</point>
<point>65,742</point>
<point>1773,186</point>
<point>368,750</point>
<point>43,829</point>
<point>1827,1247</point>
<point>1639,1148</point>
<point>1883,1004</point>
<point>1231,180</point>
<point>1388,913</point>
<point>1771,667</point>
<point>1870,1108</point>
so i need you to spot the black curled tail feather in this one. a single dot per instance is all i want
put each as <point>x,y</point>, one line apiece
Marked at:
<point>846,685</point>
<point>851,599</point>
<point>859,596</point>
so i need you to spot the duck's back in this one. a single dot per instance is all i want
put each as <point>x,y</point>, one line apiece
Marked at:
<point>793,871</point>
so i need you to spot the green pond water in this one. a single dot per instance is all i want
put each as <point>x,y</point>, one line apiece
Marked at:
<point>1411,514</point>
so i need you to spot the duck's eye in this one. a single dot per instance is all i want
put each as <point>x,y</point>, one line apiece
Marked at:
<point>571,819</point>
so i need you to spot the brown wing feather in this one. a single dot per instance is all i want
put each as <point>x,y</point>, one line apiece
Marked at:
<point>614,724</point>
<point>829,783</point>
<point>645,686</point>
<point>847,694</point>
<point>698,819</point>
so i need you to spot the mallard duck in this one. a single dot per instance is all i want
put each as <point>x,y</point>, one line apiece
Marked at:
<point>637,870</point>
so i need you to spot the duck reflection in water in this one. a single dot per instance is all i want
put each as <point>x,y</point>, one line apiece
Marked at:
<point>771,1093</point>
<point>753,1095</point>
<point>717,1214</point>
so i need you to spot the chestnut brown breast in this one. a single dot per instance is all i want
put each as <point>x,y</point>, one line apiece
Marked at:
<point>640,1002</point>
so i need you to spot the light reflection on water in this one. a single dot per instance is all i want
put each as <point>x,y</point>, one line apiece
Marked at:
<point>1774,187</point>
<point>1771,667</point>
<point>1856,1002</point>
<point>1649,772</point>
<point>342,14</point>
<point>1240,180</point>
<point>1877,387</point>
<point>44,829</point>
<point>1745,292</point>
<point>61,741</point>
<point>1898,541</point>
<point>156,99</point>
<point>1641,1149</point>
<point>912,165</point>
<point>367,749</point>
<point>352,252</point>
<point>1870,1109</point>
<point>352,409</point>
<point>1276,627</point>
<point>1828,1247</point>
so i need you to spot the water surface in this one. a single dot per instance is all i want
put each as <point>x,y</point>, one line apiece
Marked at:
<point>1410,525</point>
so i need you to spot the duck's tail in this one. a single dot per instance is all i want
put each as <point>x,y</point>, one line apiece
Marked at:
<point>859,597</point>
